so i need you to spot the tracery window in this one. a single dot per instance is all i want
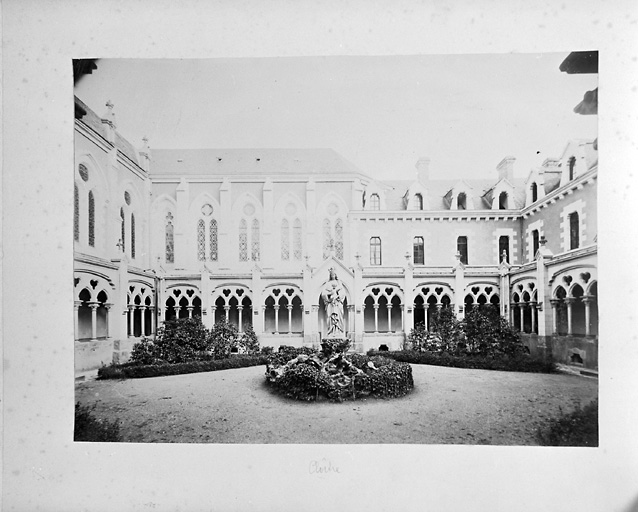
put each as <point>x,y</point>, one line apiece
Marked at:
<point>170,240</point>
<point>243,240</point>
<point>375,202</point>
<point>84,172</point>
<point>255,240</point>
<point>327,238</point>
<point>285,240</point>
<point>296,240</point>
<point>91,219</point>
<point>76,215</point>
<point>132,235</point>
<point>201,240</point>
<point>375,250</point>
<point>419,250</point>
<point>339,238</point>
<point>213,240</point>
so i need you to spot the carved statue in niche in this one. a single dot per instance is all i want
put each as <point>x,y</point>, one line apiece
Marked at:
<point>333,295</point>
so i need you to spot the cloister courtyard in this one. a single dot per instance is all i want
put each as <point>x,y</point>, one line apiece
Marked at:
<point>447,406</point>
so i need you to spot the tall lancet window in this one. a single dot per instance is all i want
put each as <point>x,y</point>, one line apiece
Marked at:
<point>327,238</point>
<point>339,238</point>
<point>243,240</point>
<point>76,215</point>
<point>132,235</point>
<point>254,252</point>
<point>91,219</point>
<point>296,240</point>
<point>285,240</point>
<point>213,240</point>
<point>170,240</point>
<point>201,240</point>
<point>122,229</point>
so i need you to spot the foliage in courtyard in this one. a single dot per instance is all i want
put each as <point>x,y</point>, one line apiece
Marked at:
<point>514,363</point>
<point>133,370</point>
<point>89,428</point>
<point>186,339</point>
<point>579,428</point>
<point>332,375</point>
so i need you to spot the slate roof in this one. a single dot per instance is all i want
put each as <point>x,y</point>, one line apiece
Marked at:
<point>250,161</point>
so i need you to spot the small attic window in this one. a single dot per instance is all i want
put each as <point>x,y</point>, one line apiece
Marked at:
<point>502,201</point>
<point>418,202</point>
<point>375,202</point>
<point>461,201</point>
<point>534,192</point>
<point>572,163</point>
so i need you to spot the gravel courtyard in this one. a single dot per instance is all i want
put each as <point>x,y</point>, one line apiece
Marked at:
<point>447,406</point>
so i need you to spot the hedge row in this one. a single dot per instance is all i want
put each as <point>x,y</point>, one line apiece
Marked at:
<point>516,363</point>
<point>133,371</point>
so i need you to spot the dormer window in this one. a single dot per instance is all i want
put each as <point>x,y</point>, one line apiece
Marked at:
<point>572,164</point>
<point>375,202</point>
<point>418,202</point>
<point>461,201</point>
<point>502,201</point>
<point>534,192</point>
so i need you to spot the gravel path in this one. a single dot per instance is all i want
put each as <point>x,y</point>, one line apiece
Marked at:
<point>447,406</point>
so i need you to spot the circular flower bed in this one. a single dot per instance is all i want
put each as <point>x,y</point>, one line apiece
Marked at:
<point>330,373</point>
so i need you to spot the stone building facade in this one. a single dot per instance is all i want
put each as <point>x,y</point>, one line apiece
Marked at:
<point>249,236</point>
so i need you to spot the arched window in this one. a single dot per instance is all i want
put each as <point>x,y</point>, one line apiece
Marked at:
<point>255,241</point>
<point>419,251</point>
<point>534,192</point>
<point>375,202</point>
<point>76,215</point>
<point>122,230</point>
<point>418,202</point>
<point>327,238</point>
<point>170,242</point>
<point>375,250</point>
<point>534,243</point>
<point>504,248</point>
<point>285,240</point>
<point>201,240</point>
<point>461,247</point>
<point>213,240</point>
<point>572,164</point>
<point>132,235</point>
<point>339,238</point>
<point>502,201</point>
<point>91,219</point>
<point>574,235</point>
<point>243,240</point>
<point>297,248</point>
<point>461,201</point>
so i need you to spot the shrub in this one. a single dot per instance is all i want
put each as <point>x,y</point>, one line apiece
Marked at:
<point>89,428</point>
<point>580,428</point>
<point>249,340</point>
<point>133,371</point>
<point>144,352</point>
<point>222,339</point>
<point>180,340</point>
<point>448,328</point>
<point>422,339</point>
<point>487,333</point>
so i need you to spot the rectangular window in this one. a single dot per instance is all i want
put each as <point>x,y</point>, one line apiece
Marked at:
<point>461,248</point>
<point>534,243</point>
<point>375,251</point>
<point>574,234</point>
<point>419,253</point>
<point>504,247</point>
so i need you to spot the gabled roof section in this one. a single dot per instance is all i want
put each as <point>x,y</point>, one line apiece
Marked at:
<point>251,161</point>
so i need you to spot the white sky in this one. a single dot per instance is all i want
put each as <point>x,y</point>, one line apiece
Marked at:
<point>465,112</point>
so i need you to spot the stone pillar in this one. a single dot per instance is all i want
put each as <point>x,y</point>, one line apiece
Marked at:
<point>131,320</point>
<point>289,306</point>
<point>426,306</point>
<point>181,239</point>
<point>94,306</point>
<point>108,318</point>
<point>152,308</point>
<point>587,300</point>
<point>376,317</point>
<point>570,301</point>
<point>276,308</point>
<point>190,311</point>
<point>459,286</point>
<point>389,306</point>
<point>532,306</point>
<point>142,320</point>
<point>314,320</point>
<point>555,303</point>
<point>76,317</point>
<point>239,311</point>
<point>227,312</point>
<point>521,312</point>
<point>257,302</point>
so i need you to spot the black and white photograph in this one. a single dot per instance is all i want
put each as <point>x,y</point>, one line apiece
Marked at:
<point>335,255</point>
<point>410,239</point>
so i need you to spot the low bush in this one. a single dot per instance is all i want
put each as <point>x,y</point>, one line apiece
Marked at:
<point>89,428</point>
<point>579,428</point>
<point>488,333</point>
<point>132,371</point>
<point>513,363</point>
<point>222,338</point>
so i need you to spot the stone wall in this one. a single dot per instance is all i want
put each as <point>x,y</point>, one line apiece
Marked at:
<point>565,349</point>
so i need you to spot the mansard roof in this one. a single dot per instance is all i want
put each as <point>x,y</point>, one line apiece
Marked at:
<point>250,161</point>
<point>93,121</point>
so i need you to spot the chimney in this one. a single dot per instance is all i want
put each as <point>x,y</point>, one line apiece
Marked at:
<point>423,170</point>
<point>505,168</point>
<point>109,121</point>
